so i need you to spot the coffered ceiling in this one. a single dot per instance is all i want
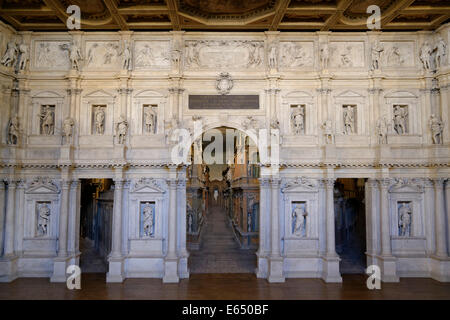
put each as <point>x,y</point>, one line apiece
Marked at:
<point>225,14</point>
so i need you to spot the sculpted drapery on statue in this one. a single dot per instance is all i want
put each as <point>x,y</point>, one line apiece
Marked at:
<point>99,119</point>
<point>298,120</point>
<point>404,220</point>
<point>148,220</point>
<point>10,56</point>
<point>149,120</point>
<point>441,52</point>
<point>13,130</point>
<point>382,130</point>
<point>47,117</point>
<point>400,114</point>
<point>436,126</point>
<point>299,215</point>
<point>377,49</point>
<point>122,129</point>
<point>325,55</point>
<point>349,120</point>
<point>43,219</point>
<point>68,130</point>
<point>425,55</point>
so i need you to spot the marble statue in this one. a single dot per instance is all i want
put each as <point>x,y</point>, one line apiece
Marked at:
<point>349,120</point>
<point>176,58</point>
<point>425,55</point>
<point>404,220</point>
<point>328,131</point>
<point>149,120</point>
<point>126,56</point>
<point>147,220</point>
<point>272,56</point>
<point>324,56</point>
<point>382,130</point>
<point>99,118</point>
<point>400,115</point>
<point>13,130</point>
<point>249,222</point>
<point>122,129</point>
<point>190,223</point>
<point>10,56</point>
<point>298,120</point>
<point>24,57</point>
<point>47,117</point>
<point>68,130</point>
<point>436,126</point>
<point>43,218</point>
<point>74,55</point>
<point>216,194</point>
<point>299,215</point>
<point>441,52</point>
<point>376,51</point>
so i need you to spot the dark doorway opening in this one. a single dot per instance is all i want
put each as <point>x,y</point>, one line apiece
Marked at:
<point>350,223</point>
<point>97,198</point>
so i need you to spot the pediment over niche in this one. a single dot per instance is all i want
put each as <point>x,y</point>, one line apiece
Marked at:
<point>99,94</point>
<point>47,94</point>
<point>149,94</point>
<point>407,186</point>
<point>349,94</point>
<point>400,94</point>
<point>149,185</point>
<point>42,185</point>
<point>300,184</point>
<point>298,94</point>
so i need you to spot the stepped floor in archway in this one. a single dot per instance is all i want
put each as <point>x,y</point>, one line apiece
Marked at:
<point>219,251</point>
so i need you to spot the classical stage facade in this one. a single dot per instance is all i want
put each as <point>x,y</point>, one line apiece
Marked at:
<point>100,109</point>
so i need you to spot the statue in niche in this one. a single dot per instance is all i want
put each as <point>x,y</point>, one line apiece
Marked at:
<point>382,130</point>
<point>68,130</point>
<point>147,220</point>
<point>349,120</point>
<point>10,56</point>
<point>126,56</point>
<point>149,120</point>
<point>404,220</point>
<point>400,115</point>
<point>13,130</point>
<point>43,218</point>
<point>328,132</point>
<point>299,215</point>
<point>377,49</point>
<point>74,54</point>
<point>122,129</point>
<point>298,120</point>
<point>47,117</point>
<point>436,126</point>
<point>24,57</point>
<point>425,55</point>
<point>441,52</point>
<point>99,117</point>
<point>346,60</point>
<point>324,55</point>
<point>273,52</point>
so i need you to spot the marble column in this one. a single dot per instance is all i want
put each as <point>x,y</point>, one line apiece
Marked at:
<point>276,261</point>
<point>74,222</point>
<point>183,254</point>
<point>264,240</point>
<point>115,273</point>
<point>439,209</point>
<point>372,220</point>
<point>2,216</point>
<point>447,210</point>
<point>171,260</point>
<point>429,216</point>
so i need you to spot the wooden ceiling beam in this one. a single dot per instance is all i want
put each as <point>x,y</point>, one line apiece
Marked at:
<point>402,4</point>
<point>331,21</point>
<point>112,8</point>
<point>53,5</point>
<point>173,14</point>
<point>280,10</point>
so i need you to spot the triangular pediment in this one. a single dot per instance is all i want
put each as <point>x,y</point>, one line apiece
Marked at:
<point>148,185</point>
<point>99,94</point>
<point>47,94</point>
<point>43,189</point>
<point>298,94</point>
<point>149,94</point>
<point>401,94</point>
<point>350,94</point>
<point>299,185</point>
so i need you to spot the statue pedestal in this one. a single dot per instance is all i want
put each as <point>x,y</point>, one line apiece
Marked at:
<point>330,153</point>
<point>66,152</point>
<point>383,152</point>
<point>119,152</point>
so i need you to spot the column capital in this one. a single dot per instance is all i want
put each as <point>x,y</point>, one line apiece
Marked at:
<point>272,91</point>
<point>176,90</point>
<point>372,182</point>
<point>329,182</point>
<point>119,183</point>
<point>12,183</point>
<point>427,182</point>
<point>384,182</point>
<point>65,184</point>
<point>74,183</point>
<point>439,182</point>
<point>275,182</point>
<point>21,184</point>
<point>172,182</point>
<point>264,182</point>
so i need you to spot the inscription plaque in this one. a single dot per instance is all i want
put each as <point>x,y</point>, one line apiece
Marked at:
<point>215,102</point>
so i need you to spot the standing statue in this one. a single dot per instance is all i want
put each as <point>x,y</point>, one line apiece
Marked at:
<point>299,215</point>
<point>404,220</point>
<point>121,129</point>
<point>24,57</point>
<point>436,126</point>
<point>298,120</point>
<point>99,117</point>
<point>47,121</point>
<point>382,130</point>
<point>377,49</point>
<point>149,120</point>
<point>10,56</point>
<point>13,130</point>
<point>324,56</point>
<point>441,52</point>
<point>44,215</point>
<point>74,55</point>
<point>272,56</point>
<point>349,120</point>
<point>425,55</point>
<point>126,56</point>
<point>68,130</point>
<point>328,132</point>
<point>147,222</point>
<point>400,115</point>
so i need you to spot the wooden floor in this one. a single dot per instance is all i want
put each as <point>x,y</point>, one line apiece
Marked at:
<point>226,287</point>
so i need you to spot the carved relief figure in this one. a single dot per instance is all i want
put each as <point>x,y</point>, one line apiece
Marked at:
<point>126,56</point>
<point>43,219</point>
<point>328,132</point>
<point>299,215</point>
<point>400,114</point>
<point>152,54</point>
<point>147,220</point>
<point>47,117</point>
<point>377,49</point>
<point>425,55</point>
<point>382,130</point>
<point>298,120</point>
<point>324,55</point>
<point>254,58</point>
<point>441,52</point>
<point>24,57</point>
<point>346,60</point>
<point>52,55</point>
<point>272,56</point>
<point>13,130</point>
<point>68,130</point>
<point>404,220</point>
<point>10,56</point>
<point>349,120</point>
<point>99,118</point>
<point>294,54</point>
<point>121,129</point>
<point>149,120</point>
<point>192,58</point>
<point>436,126</point>
<point>74,55</point>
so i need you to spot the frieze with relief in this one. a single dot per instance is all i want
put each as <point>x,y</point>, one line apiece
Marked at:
<point>296,54</point>
<point>397,54</point>
<point>102,54</point>
<point>152,54</point>
<point>50,55</point>
<point>347,54</point>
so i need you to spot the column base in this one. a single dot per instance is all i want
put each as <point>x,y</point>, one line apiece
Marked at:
<point>440,268</point>
<point>170,271</point>
<point>8,268</point>
<point>183,270</point>
<point>60,265</point>
<point>262,269</point>
<point>115,273</point>
<point>388,267</point>
<point>331,272</point>
<point>276,274</point>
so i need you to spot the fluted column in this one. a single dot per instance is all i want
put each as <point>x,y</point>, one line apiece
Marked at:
<point>429,215</point>
<point>264,240</point>
<point>441,245</point>
<point>275,223</point>
<point>63,219</point>
<point>9,222</point>
<point>384,219</point>
<point>171,251</point>
<point>116,249</point>
<point>2,216</point>
<point>447,209</point>
<point>331,246</point>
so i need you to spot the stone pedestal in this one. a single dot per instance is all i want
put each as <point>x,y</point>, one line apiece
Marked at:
<point>60,265</point>
<point>383,152</point>
<point>331,272</point>
<point>440,268</point>
<point>276,274</point>
<point>66,152</point>
<point>8,268</point>
<point>388,268</point>
<point>183,270</point>
<point>170,270</point>
<point>119,152</point>
<point>116,270</point>
<point>262,269</point>
<point>330,153</point>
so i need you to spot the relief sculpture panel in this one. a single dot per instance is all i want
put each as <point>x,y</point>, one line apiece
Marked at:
<point>102,54</point>
<point>50,55</point>
<point>296,54</point>
<point>397,54</point>
<point>347,54</point>
<point>152,54</point>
